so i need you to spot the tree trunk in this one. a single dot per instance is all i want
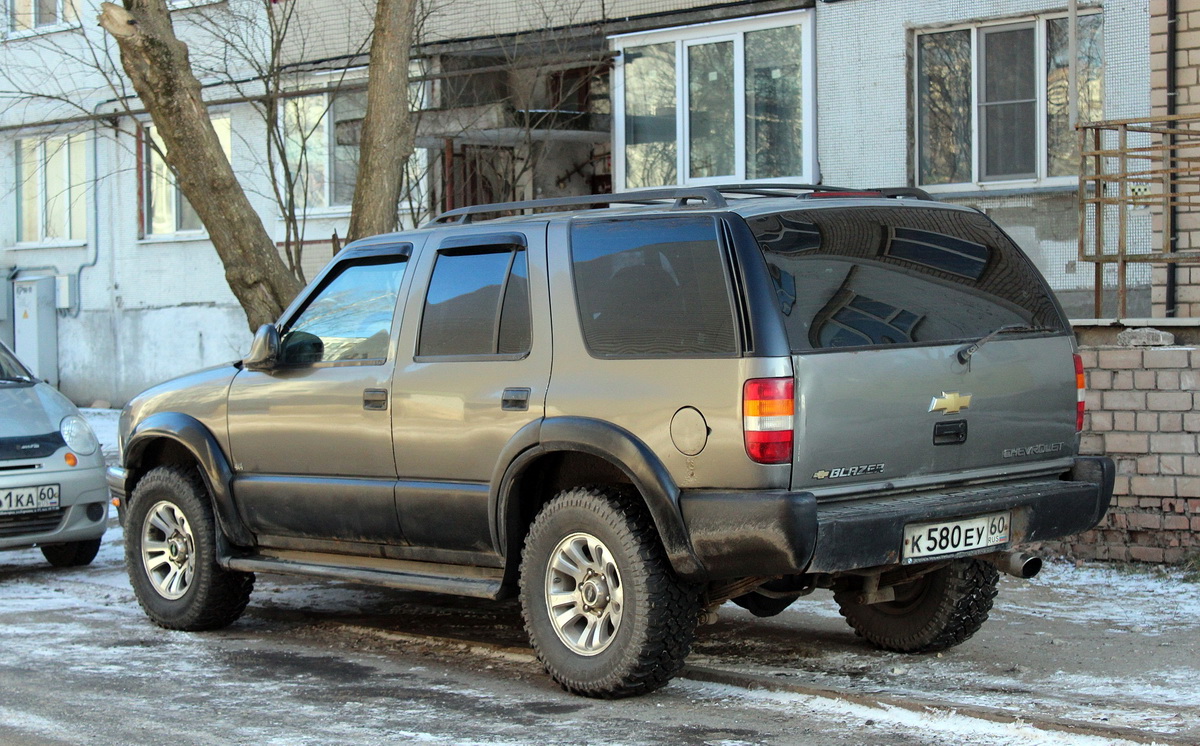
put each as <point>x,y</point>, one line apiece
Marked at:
<point>158,66</point>
<point>387,132</point>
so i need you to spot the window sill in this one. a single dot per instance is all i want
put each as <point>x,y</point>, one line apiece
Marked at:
<point>30,246</point>
<point>39,31</point>
<point>185,4</point>
<point>162,238</point>
<point>1004,189</point>
<point>322,213</point>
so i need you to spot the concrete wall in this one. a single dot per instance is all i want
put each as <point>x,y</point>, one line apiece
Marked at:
<point>865,69</point>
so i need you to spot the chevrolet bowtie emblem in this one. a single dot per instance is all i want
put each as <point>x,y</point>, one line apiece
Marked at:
<point>949,403</point>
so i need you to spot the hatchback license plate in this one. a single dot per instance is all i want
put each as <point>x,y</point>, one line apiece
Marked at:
<point>934,539</point>
<point>29,499</point>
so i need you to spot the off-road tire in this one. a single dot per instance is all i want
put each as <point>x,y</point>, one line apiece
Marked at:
<point>213,597</point>
<point>764,606</point>
<point>659,611</point>
<point>934,612</point>
<point>71,554</point>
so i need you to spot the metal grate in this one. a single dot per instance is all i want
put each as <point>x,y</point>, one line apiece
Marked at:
<point>1148,165</point>
<point>30,523</point>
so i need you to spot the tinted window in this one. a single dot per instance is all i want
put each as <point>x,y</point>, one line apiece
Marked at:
<point>652,287</point>
<point>350,318</point>
<point>477,304</point>
<point>861,277</point>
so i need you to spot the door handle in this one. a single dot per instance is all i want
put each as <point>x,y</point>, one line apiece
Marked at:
<point>375,399</point>
<point>515,400</point>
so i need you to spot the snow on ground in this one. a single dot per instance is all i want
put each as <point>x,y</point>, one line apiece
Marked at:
<point>104,424</point>
<point>1141,600</point>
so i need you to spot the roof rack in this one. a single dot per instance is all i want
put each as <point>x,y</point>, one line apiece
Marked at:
<point>706,196</point>
<point>782,190</point>
<point>681,197</point>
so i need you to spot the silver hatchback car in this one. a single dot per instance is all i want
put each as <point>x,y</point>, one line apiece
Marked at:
<point>52,489</point>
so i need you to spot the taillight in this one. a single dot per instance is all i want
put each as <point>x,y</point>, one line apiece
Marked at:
<point>768,409</point>
<point>1080,393</point>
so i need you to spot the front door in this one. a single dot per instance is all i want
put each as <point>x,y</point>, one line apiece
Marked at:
<point>311,439</point>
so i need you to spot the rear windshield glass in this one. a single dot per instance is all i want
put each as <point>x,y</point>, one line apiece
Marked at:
<point>871,276</point>
<point>652,287</point>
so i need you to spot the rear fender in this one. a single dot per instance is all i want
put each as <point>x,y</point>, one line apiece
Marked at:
<point>618,447</point>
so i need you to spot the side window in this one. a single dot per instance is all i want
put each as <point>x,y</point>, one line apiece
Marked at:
<point>652,288</point>
<point>351,318</point>
<point>477,303</point>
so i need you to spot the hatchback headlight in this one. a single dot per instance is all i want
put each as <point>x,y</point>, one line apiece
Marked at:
<point>78,435</point>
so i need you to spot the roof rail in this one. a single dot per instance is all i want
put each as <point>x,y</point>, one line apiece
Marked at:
<point>708,196</point>
<point>681,196</point>
<point>780,190</point>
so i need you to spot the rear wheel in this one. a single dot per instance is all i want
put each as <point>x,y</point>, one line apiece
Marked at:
<point>936,611</point>
<point>604,610</point>
<point>171,557</point>
<point>71,554</point>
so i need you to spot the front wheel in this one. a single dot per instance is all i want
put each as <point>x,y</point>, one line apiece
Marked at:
<point>72,553</point>
<point>933,612</point>
<point>171,557</point>
<point>603,609</point>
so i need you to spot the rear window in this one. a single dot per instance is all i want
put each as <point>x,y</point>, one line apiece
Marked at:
<point>872,276</point>
<point>652,287</point>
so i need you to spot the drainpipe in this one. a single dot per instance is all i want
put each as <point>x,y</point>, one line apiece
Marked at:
<point>95,240</point>
<point>1172,308</point>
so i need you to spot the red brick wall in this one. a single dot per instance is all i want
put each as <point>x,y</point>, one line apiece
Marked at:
<point>1144,412</point>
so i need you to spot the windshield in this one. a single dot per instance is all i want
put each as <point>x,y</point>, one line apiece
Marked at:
<point>877,276</point>
<point>10,369</point>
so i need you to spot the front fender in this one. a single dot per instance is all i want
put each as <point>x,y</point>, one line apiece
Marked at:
<point>196,439</point>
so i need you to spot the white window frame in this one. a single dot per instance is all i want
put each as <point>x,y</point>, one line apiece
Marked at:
<point>1040,23</point>
<point>422,90</point>
<point>71,206</point>
<point>326,129</point>
<point>735,31</point>
<point>146,177</point>
<point>12,31</point>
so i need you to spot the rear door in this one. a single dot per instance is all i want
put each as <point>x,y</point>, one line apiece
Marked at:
<point>926,348</point>
<point>473,371</point>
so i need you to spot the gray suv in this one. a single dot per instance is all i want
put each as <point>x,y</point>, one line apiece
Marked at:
<point>628,410</point>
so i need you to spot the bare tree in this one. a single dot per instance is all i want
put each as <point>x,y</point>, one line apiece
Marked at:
<point>159,69</point>
<point>383,154</point>
<point>158,66</point>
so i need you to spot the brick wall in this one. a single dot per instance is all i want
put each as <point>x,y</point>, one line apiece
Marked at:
<point>1187,102</point>
<point>1144,412</point>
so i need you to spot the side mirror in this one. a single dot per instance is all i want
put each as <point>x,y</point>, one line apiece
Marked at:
<point>264,351</point>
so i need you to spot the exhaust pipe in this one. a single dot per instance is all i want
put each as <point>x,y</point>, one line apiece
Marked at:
<point>1018,564</point>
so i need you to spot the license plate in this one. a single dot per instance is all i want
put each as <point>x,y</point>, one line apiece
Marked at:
<point>29,499</point>
<point>935,539</point>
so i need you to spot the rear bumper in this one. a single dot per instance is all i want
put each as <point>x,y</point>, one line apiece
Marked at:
<point>783,533</point>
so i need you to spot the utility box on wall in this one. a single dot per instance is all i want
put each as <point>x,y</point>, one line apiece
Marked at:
<point>6,307</point>
<point>35,326</point>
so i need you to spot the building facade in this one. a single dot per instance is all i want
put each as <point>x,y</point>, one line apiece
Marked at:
<point>968,100</point>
